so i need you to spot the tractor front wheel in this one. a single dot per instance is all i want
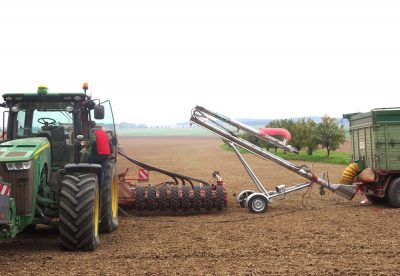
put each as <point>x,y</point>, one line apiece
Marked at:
<point>79,212</point>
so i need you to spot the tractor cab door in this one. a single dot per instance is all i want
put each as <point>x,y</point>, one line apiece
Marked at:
<point>108,124</point>
<point>3,135</point>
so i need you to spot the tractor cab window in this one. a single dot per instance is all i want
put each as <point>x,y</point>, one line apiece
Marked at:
<point>34,119</point>
<point>49,121</point>
<point>52,120</point>
<point>20,123</point>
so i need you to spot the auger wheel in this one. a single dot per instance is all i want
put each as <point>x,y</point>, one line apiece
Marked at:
<point>79,212</point>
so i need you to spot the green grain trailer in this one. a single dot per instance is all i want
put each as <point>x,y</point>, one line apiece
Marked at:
<point>375,140</point>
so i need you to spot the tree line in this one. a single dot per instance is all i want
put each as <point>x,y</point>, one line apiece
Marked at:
<point>307,134</point>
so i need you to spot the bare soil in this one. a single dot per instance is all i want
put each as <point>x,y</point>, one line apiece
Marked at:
<point>300,234</point>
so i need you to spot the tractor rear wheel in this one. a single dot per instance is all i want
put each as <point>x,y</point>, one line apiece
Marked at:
<point>393,193</point>
<point>109,200</point>
<point>79,212</point>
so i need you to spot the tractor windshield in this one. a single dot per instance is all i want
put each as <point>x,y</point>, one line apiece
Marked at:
<point>48,118</point>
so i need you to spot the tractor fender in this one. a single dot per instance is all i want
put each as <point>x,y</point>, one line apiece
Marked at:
<point>83,168</point>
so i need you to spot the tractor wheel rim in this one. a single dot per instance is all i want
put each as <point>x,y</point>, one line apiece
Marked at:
<point>96,215</point>
<point>114,197</point>
<point>258,204</point>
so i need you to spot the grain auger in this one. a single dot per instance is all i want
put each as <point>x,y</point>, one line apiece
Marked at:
<point>178,192</point>
<point>257,201</point>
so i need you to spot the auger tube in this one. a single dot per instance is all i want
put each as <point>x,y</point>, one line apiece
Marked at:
<point>199,117</point>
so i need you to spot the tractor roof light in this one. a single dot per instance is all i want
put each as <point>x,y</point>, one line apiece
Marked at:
<point>85,86</point>
<point>42,89</point>
<point>15,108</point>
<point>69,108</point>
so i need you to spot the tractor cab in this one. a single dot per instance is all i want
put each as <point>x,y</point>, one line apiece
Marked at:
<point>61,118</point>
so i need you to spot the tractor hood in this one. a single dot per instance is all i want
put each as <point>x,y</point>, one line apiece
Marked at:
<point>22,149</point>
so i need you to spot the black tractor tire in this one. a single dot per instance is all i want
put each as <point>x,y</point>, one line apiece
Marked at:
<point>109,200</point>
<point>140,202</point>
<point>377,200</point>
<point>220,197</point>
<point>258,204</point>
<point>79,212</point>
<point>208,198</point>
<point>196,198</point>
<point>393,193</point>
<point>151,198</point>
<point>162,198</point>
<point>174,201</point>
<point>185,198</point>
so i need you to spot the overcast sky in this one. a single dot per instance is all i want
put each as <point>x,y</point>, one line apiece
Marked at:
<point>156,60</point>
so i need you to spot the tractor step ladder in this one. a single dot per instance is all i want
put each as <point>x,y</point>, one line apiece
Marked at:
<point>257,202</point>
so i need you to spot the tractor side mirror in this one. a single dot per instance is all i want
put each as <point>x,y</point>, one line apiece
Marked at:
<point>99,112</point>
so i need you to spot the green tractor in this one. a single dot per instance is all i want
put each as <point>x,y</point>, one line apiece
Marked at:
<point>42,177</point>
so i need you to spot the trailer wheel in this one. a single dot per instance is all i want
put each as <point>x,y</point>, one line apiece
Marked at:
<point>196,198</point>
<point>139,199</point>
<point>151,198</point>
<point>109,200</point>
<point>393,193</point>
<point>208,202</point>
<point>174,201</point>
<point>185,198</point>
<point>258,204</point>
<point>377,200</point>
<point>162,198</point>
<point>79,212</point>
<point>219,200</point>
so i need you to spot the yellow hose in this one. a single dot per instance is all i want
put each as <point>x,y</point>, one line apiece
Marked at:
<point>349,173</point>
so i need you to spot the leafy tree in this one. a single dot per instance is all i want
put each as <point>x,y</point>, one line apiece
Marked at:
<point>288,124</point>
<point>311,141</point>
<point>329,134</point>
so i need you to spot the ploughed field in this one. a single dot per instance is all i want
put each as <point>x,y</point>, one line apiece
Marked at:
<point>301,234</point>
